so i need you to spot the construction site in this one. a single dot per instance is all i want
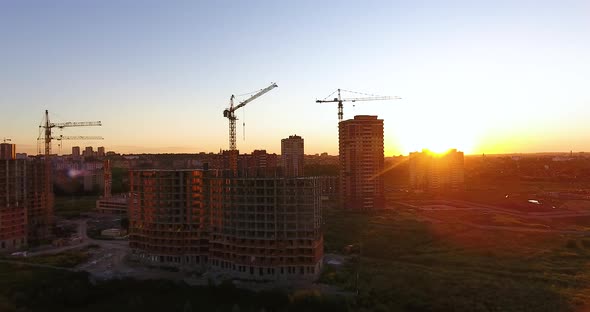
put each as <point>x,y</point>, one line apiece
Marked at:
<point>252,224</point>
<point>251,228</point>
<point>26,216</point>
<point>249,217</point>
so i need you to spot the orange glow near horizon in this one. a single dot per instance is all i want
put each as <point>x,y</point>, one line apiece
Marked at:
<point>438,141</point>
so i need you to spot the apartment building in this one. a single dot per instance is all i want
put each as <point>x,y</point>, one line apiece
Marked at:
<point>361,163</point>
<point>292,156</point>
<point>258,164</point>
<point>432,172</point>
<point>76,152</point>
<point>7,151</point>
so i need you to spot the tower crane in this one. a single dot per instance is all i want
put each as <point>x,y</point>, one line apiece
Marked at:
<point>366,97</point>
<point>229,113</point>
<point>45,134</point>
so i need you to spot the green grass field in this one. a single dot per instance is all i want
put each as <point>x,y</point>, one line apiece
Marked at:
<point>71,207</point>
<point>23,288</point>
<point>405,264</point>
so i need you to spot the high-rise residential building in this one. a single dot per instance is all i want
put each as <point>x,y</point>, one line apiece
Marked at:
<point>361,163</point>
<point>25,212</point>
<point>100,152</point>
<point>251,228</point>
<point>88,151</point>
<point>7,151</point>
<point>434,172</point>
<point>292,156</point>
<point>76,151</point>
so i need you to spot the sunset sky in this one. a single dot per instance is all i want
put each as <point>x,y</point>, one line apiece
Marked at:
<point>481,76</point>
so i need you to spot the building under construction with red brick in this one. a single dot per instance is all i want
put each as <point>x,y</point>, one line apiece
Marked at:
<point>168,217</point>
<point>266,228</point>
<point>25,208</point>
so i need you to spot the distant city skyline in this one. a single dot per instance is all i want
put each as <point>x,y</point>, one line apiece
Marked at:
<point>482,77</point>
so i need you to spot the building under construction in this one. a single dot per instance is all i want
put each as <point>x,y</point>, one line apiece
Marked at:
<point>267,228</point>
<point>26,214</point>
<point>252,228</point>
<point>168,217</point>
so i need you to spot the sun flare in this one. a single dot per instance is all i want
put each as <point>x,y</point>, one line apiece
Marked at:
<point>438,141</point>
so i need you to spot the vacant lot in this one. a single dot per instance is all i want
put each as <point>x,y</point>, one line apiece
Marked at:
<point>73,206</point>
<point>408,263</point>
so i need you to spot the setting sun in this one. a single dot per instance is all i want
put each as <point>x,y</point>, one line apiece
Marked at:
<point>438,141</point>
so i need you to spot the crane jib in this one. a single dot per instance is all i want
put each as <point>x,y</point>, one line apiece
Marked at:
<point>229,113</point>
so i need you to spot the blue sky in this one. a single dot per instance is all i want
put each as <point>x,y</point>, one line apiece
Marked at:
<point>502,76</point>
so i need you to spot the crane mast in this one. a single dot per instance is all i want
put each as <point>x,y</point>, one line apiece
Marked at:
<point>229,113</point>
<point>46,136</point>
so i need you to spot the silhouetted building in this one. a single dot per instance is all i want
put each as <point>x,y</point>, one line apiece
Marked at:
<point>437,172</point>
<point>100,152</point>
<point>230,161</point>
<point>258,164</point>
<point>25,212</point>
<point>7,151</point>
<point>292,156</point>
<point>21,156</point>
<point>88,152</point>
<point>76,152</point>
<point>361,163</point>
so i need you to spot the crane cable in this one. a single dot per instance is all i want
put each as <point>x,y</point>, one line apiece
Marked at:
<point>354,92</point>
<point>361,93</point>
<point>329,95</point>
<point>249,93</point>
